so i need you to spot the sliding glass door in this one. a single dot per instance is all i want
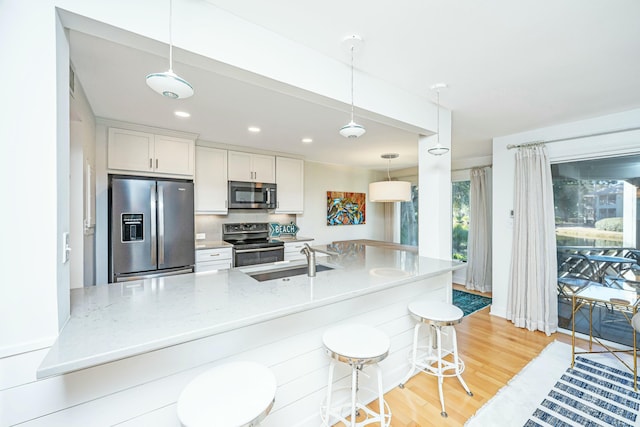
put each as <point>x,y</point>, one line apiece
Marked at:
<point>597,234</point>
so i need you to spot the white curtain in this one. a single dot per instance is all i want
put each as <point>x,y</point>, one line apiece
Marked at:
<point>532,295</point>
<point>479,240</point>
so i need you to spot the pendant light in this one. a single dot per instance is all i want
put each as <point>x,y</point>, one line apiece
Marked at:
<point>352,129</point>
<point>168,83</point>
<point>438,149</point>
<point>390,191</point>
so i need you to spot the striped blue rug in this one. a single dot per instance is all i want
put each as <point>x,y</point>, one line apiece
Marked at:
<point>590,394</point>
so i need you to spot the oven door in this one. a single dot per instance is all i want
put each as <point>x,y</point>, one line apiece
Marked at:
<point>243,257</point>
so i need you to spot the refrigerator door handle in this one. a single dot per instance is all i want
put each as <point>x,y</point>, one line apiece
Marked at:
<point>152,202</point>
<point>160,225</point>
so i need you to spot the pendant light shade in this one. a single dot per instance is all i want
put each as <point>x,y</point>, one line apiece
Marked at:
<point>352,129</point>
<point>390,191</point>
<point>168,83</point>
<point>438,149</point>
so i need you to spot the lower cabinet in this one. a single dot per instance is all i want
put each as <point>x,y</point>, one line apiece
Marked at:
<point>213,259</point>
<point>292,250</point>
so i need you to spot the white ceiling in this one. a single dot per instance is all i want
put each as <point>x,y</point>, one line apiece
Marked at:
<point>511,67</point>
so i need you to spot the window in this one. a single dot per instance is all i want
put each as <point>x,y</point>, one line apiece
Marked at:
<point>596,202</point>
<point>409,219</point>
<point>460,219</point>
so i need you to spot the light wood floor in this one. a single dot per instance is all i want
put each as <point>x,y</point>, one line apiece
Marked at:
<point>493,351</point>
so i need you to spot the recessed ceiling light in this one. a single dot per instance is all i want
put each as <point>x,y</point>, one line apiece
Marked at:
<point>182,114</point>
<point>307,140</point>
<point>254,129</point>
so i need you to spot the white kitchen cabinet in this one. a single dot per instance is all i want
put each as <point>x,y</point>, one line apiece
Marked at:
<point>130,150</point>
<point>211,181</point>
<point>290,181</point>
<point>292,250</point>
<point>213,259</point>
<point>250,167</point>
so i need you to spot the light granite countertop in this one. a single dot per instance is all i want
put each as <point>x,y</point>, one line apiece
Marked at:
<point>114,321</point>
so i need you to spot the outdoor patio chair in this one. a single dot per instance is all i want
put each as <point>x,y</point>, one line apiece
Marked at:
<point>575,265</point>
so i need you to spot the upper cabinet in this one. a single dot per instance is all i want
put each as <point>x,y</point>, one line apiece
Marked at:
<point>211,180</point>
<point>290,181</point>
<point>130,150</point>
<point>251,167</point>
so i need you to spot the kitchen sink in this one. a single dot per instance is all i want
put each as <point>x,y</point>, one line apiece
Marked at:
<point>281,273</point>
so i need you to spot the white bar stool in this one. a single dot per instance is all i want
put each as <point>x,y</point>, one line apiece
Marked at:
<point>235,394</point>
<point>356,345</point>
<point>439,315</point>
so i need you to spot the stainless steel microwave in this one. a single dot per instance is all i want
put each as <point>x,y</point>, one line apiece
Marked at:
<point>252,195</point>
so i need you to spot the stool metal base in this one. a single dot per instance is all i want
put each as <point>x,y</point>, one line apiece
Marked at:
<point>348,403</point>
<point>423,359</point>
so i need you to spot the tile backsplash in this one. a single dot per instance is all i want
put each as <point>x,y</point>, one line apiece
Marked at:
<point>211,225</point>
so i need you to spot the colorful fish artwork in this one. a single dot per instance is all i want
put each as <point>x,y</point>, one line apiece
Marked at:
<point>345,208</point>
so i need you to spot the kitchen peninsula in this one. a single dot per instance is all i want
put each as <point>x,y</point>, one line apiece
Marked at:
<point>178,325</point>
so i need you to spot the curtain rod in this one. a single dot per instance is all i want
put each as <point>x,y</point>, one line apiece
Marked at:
<point>470,167</point>
<point>529,144</point>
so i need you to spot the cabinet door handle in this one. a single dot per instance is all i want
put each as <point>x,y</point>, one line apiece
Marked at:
<point>214,254</point>
<point>150,163</point>
<point>156,163</point>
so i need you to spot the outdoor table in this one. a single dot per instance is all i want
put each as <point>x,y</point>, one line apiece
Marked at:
<point>601,263</point>
<point>624,301</point>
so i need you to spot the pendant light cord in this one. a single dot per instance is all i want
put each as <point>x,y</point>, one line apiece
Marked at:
<point>352,47</point>
<point>170,36</point>
<point>388,166</point>
<point>438,114</point>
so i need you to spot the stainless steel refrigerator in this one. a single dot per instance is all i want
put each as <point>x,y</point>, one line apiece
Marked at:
<point>151,227</point>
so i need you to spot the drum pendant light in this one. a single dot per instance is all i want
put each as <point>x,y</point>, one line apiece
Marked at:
<point>438,149</point>
<point>390,191</point>
<point>352,129</point>
<point>168,83</point>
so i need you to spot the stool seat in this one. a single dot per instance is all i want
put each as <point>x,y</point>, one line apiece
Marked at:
<point>232,394</point>
<point>443,314</point>
<point>356,344</point>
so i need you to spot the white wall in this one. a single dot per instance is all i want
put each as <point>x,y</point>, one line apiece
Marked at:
<point>320,178</point>
<point>29,168</point>
<point>583,148</point>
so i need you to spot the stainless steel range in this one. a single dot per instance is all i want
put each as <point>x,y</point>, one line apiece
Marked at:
<point>251,243</point>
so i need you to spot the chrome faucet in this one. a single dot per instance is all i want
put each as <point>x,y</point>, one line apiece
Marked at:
<point>311,259</point>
